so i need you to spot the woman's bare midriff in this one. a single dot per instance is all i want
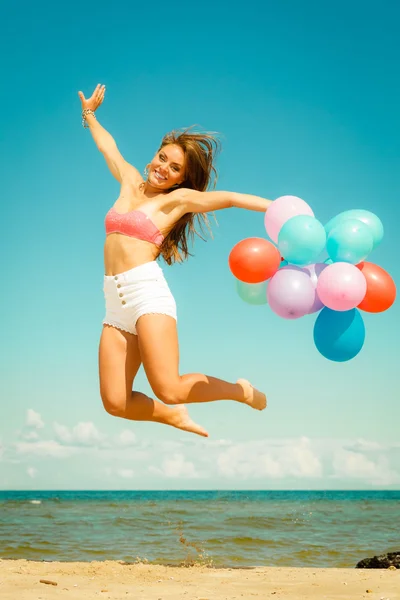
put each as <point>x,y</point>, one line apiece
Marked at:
<point>122,253</point>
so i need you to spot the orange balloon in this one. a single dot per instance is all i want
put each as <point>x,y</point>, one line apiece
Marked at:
<point>381,289</point>
<point>254,260</point>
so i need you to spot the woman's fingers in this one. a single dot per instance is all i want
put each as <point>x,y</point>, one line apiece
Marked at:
<point>96,98</point>
<point>100,91</point>
<point>100,94</point>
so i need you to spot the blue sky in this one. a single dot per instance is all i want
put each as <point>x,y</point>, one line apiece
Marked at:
<point>306,99</point>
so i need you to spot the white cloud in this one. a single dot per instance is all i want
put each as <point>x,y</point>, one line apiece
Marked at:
<point>126,438</point>
<point>167,447</point>
<point>30,436</point>
<point>33,419</point>
<point>304,461</point>
<point>176,466</point>
<point>275,462</point>
<point>362,445</point>
<point>219,443</point>
<point>44,448</point>
<point>259,459</point>
<point>354,465</point>
<point>62,433</point>
<point>83,434</point>
<point>371,447</point>
<point>126,473</point>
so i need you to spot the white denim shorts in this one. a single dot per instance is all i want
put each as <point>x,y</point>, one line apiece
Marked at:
<point>139,291</point>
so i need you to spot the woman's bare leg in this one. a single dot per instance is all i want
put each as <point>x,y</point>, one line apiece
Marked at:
<point>159,350</point>
<point>119,362</point>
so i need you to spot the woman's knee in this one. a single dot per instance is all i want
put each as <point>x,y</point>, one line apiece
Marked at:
<point>170,393</point>
<point>119,361</point>
<point>114,404</point>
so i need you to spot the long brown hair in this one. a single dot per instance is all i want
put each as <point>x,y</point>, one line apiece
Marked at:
<point>200,150</point>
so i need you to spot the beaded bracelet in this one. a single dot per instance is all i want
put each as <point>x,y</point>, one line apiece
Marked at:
<point>86,111</point>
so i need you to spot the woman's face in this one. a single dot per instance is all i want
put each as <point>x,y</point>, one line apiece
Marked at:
<point>167,167</point>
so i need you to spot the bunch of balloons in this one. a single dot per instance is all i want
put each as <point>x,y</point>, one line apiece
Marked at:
<point>291,276</point>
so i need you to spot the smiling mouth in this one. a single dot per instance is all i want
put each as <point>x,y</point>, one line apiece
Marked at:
<point>158,176</point>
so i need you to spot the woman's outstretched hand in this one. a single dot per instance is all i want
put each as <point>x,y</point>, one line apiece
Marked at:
<point>96,98</point>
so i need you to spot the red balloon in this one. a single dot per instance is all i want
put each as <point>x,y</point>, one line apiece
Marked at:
<point>381,289</point>
<point>254,260</point>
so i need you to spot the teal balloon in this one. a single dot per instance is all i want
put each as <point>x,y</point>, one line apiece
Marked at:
<point>284,263</point>
<point>339,336</point>
<point>350,241</point>
<point>328,261</point>
<point>301,240</point>
<point>252,293</point>
<point>368,218</point>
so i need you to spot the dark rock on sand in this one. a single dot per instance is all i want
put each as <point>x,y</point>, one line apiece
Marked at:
<point>384,561</point>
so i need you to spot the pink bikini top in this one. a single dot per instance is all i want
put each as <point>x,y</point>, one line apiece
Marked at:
<point>134,223</point>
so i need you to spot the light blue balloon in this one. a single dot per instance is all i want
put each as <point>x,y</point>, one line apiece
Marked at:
<point>301,240</point>
<point>368,218</point>
<point>339,335</point>
<point>252,293</point>
<point>350,241</point>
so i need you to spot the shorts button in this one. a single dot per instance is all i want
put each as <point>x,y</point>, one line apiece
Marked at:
<point>120,295</point>
<point>118,285</point>
<point>123,302</point>
<point>115,278</point>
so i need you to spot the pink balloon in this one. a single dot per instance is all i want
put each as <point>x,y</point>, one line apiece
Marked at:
<point>290,293</point>
<point>281,210</point>
<point>340,286</point>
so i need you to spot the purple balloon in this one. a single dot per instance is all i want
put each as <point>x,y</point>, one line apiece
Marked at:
<point>291,293</point>
<point>314,271</point>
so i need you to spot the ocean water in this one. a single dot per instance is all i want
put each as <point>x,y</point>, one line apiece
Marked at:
<point>236,529</point>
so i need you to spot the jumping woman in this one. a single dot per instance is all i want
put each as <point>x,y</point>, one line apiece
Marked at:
<point>152,217</point>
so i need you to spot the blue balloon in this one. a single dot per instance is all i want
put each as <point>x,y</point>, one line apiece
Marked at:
<point>252,293</point>
<point>368,218</point>
<point>301,240</point>
<point>350,241</point>
<point>339,336</point>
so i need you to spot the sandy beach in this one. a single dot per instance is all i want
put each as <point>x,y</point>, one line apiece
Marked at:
<point>21,580</point>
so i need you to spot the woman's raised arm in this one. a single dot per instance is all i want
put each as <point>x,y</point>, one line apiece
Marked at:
<point>200,202</point>
<point>104,141</point>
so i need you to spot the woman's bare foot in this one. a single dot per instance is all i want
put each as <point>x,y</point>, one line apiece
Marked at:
<point>252,397</point>
<point>182,420</point>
